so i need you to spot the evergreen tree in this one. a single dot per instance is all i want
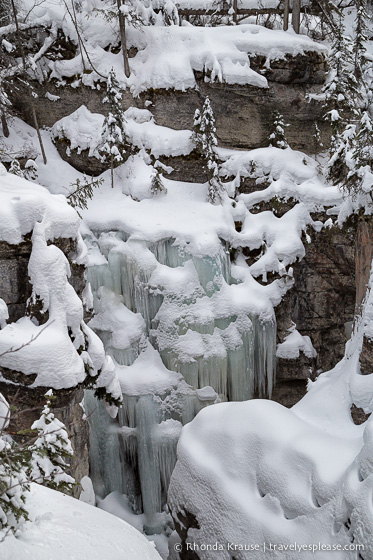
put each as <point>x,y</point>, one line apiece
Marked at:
<point>31,170</point>
<point>82,192</point>
<point>50,451</point>
<point>342,90</point>
<point>157,186</point>
<point>277,138</point>
<point>204,137</point>
<point>15,168</point>
<point>13,480</point>
<point>363,153</point>
<point>113,133</point>
<point>360,38</point>
<point>318,145</point>
<point>345,95</point>
<point>360,176</point>
<point>341,157</point>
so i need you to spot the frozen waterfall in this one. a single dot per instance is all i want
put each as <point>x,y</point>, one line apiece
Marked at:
<point>167,319</point>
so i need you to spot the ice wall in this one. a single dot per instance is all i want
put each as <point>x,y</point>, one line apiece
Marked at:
<point>170,321</point>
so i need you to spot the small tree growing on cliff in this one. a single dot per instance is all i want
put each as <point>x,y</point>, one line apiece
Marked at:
<point>41,461</point>
<point>50,451</point>
<point>204,137</point>
<point>15,168</point>
<point>157,186</point>
<point>277,138</point>
<point>14,483</point>
<point>360,175</point>
<point>113,133</point>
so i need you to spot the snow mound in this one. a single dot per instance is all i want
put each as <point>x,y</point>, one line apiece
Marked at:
<point>267,475</point>
<point>23,204</point>
<point>62,527</point>
<point>295,343</point>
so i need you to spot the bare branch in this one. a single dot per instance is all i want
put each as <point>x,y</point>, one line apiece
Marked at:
<point>32,339</point>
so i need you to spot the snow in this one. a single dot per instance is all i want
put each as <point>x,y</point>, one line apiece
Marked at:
<point>265,473</point>
<point>27,208</point>
<point>4,315</point>
<point>167,57</point>
<point>147,375</point>
<point>24,204</point>
<point>293,344</point>
<point>62,527</point>
<point>87,494</point>
<point>83,130</point>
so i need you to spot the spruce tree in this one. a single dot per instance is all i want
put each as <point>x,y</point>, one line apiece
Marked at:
<point>50,451</point>
<point>157,186</point>
<point>204,137</point>
<point>83,191</point>
<point>31,170</point>
<point>277,138</point>
<point>360,38</point>
<point>14,484</point>
<point>345,96</point>
<point>113,133</point>
<point>342,90</point>
<point>339,164</point>
<point>15,168</point>
<point>360,176</point>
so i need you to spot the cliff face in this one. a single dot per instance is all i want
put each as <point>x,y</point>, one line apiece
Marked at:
<point>44,341</point>
<point>244,114</point>
<point>15,290</point>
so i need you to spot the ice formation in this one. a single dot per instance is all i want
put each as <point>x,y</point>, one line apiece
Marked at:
<point>158,300</point>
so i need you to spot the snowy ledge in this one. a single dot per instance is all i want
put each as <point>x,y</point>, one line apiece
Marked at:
<point>168,57</point>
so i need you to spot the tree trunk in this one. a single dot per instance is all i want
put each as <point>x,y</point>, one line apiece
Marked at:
<point>235,9</point>
<point>24,68</point>
<point>112,171</point>
<point>36,123</point>
<point>79,36</point>
<point>122,27</point>
<point>295,16</point>
<point>286,15</point>
<point>4,125</point>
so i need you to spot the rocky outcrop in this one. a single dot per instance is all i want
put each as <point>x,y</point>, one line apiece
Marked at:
<point>27,404</point>
<point>329,285</point>
<point>244,114</point>
<point>15,289</point>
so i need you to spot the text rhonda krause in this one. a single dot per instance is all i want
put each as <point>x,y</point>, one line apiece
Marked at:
<point>314,547</point>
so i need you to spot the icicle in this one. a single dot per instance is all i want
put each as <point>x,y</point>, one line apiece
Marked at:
<point>104,456</point>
